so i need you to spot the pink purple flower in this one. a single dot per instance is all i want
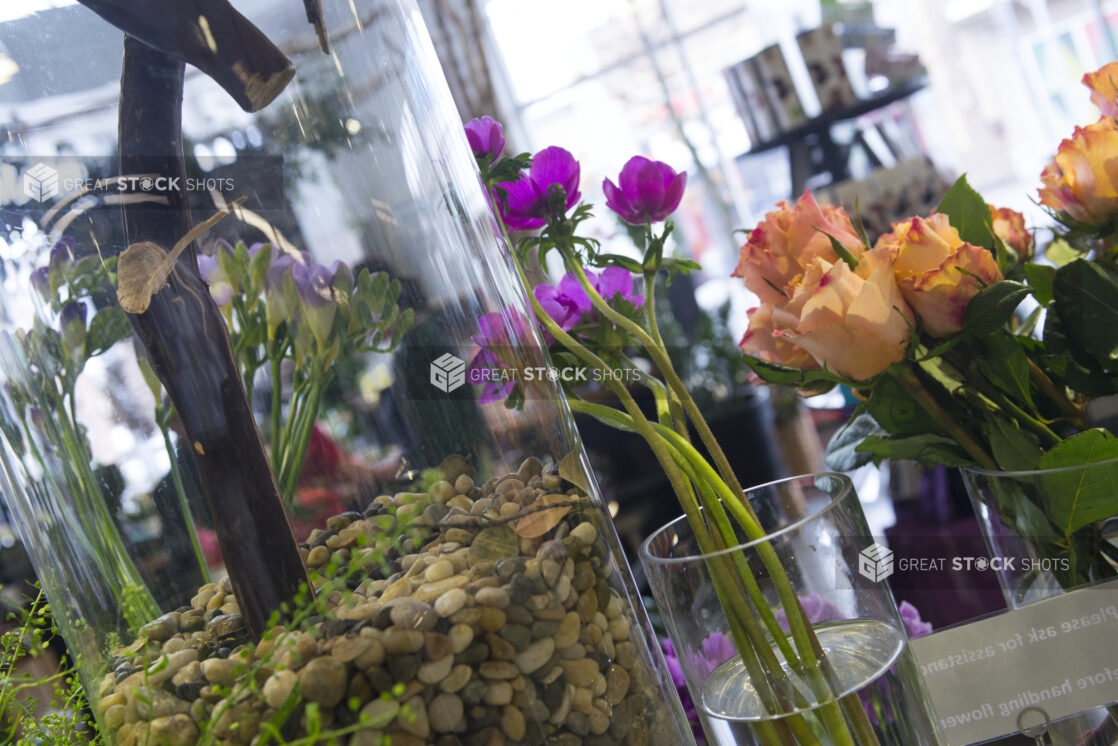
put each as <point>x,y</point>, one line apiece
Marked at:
<point>914,625</point>
<point>646,191</point>
<point>71,322</point>
<point>527,206</point>
<point>569,305</point>
<point>486,137</point>
<point>486,367</point>
<point>680,682</point>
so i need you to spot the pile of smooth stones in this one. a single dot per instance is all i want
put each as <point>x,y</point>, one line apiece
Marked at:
<point>470,614</point>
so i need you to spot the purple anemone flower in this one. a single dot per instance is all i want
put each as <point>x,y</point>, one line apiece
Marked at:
<point>486,367</point>
<point>646,191</point>
<point>527,207</point>
<point>486,137</point>
<point>914,625</point>
<point>680,682</point>
<point>568,304</point>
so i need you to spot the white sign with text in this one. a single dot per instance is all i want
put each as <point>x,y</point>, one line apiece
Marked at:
<point>1059,655</point>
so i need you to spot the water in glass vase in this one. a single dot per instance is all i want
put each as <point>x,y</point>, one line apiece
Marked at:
<point>868,657</point>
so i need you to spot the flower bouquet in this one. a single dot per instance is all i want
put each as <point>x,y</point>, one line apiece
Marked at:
<point>964,348</point>
<point>744,574</point>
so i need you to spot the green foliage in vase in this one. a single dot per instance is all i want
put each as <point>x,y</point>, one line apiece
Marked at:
<point>25,718</point>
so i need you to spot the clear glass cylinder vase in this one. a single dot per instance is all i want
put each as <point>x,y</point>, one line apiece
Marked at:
<point>259,492</point>
<point>1041,550</point>
<point>816,527</point>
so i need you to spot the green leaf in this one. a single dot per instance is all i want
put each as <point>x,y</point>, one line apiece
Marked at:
<point>617,260</point>
<point>260,264</point>
<point>107,328</point>
<point>843,252</point>
<point>842,453</point>
<point>1012,448</point>
<point>786,375</point>
<point>967,211</point>
<point>928,449</point>
<point>1086,299</point>
<point>993,306</point>
<point>1040,277</point>
<point>1060,252</point>
<point>895,410</point>
<point>1007,366</point>
<point>1079,497</point>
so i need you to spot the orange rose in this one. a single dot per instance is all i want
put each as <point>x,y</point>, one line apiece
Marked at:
<point>937,272</point>
<point>761,341</point>
<point>1104,88</point>
<point>853,325</point>
<point>1082,180</point>
<point>787,241</point>
<point>1009,226</point>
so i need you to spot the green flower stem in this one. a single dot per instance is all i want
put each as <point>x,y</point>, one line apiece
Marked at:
<point>1046,436</point>
<point>700,473</point>
<point>1067,407</point>
<point>655,348</point>
<point>802,633</point>
<point>180,495</point>
<point>298,449</point>
<point>659,448</point>
<point>674,405</point>
<point>906,376</point>
<point>277,404</point>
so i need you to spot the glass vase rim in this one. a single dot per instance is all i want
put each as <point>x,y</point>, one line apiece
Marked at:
<point>846,487</point>
<point>1017,473</point>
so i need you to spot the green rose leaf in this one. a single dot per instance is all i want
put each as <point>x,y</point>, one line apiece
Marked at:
<point>1006,366</point>
<point>1080,497</point>
<point>928,449</point>
<point>1013,449</point>
<point>895,410</point>
<point>993,306</point>
<point>1086,299</point>
<point>1040,277</point>
<point>842,451</point>
<point>968,214</point>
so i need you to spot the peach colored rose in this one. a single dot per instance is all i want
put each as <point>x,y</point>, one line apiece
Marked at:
<point>760,341</point>
<point>1082,180</point>
<point>787,241</point>
<point>1009,226</point>
<point>1104,88</point>
<point>852,325</point>
<point>937,272</point>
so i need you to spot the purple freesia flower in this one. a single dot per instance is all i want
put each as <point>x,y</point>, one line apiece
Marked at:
<point>40,280</point>
<point>276,309</point>
<point>486,367</point>
<point>527,207</point>
<point>914,625</point>
<point>486,137</point>
<point>62,255</point>
<point>211,269</point>
<point>568,304</point>
<point>71,322</point>
<point>316,298</point>
<point>646,191</point>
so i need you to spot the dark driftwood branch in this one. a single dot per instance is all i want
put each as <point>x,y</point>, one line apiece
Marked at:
<point>210,35</point>
<point>185,338</point>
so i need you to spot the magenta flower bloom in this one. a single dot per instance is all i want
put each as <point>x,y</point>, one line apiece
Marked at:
<point>816,608</point>
<point>568,304</point>
<point>486,137</point>
<point>914,625</point>
<point>680,682</point>
<point>646,191</point>
<point>527,207</point>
